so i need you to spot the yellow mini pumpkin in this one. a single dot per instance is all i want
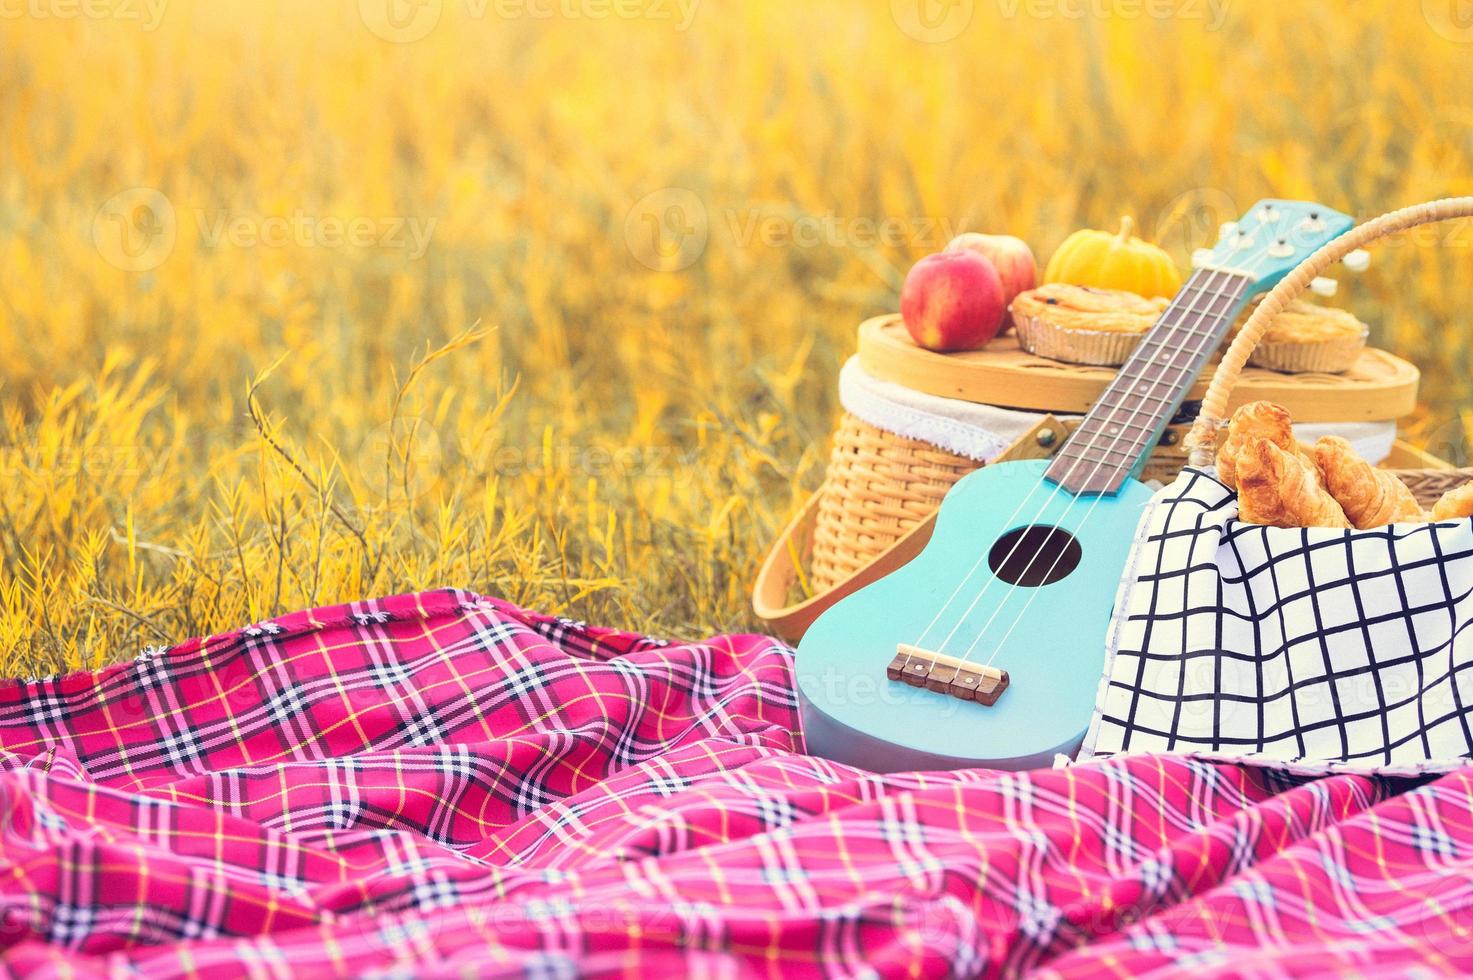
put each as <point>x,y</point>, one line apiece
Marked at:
<point>1119,261</point>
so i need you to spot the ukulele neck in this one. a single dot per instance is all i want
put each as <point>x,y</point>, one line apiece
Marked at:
<point>1125,424</point>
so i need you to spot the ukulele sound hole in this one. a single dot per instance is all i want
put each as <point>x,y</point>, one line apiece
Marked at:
<point>1039,554</point>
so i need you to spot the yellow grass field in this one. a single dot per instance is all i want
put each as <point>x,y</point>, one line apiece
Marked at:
<point>303,302</point>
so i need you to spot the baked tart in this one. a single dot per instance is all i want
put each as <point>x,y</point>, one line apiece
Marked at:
<point>1306,337</point>
<point>1083,324</point>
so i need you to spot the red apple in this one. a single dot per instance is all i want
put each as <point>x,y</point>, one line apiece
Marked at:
<point>953,301</point>
<point>1011,256</point>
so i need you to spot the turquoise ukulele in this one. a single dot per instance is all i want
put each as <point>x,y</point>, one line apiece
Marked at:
<point>987,649</point>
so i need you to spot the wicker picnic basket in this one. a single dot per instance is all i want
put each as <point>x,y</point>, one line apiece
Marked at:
<point>878,486</point>
<point>873,512</point>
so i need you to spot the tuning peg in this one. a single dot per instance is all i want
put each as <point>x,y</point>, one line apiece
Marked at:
<point>1227,229</point>
<point>1358,260</point>
<point>1200,257</point>
<point>1321,286</point>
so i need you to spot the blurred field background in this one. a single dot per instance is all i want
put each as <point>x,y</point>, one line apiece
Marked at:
<point>301,303</point>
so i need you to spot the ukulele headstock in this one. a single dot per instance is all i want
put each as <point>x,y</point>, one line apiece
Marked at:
<point>1273,237</point>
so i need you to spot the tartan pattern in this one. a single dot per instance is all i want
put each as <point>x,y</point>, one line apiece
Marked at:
<point>444,784</point>
<point>1318,648</point>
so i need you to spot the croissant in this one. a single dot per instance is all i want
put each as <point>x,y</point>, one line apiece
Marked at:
<point>1250,425</point>
<point>1281,488</point>
<point>1370,497</point>
<point>1455,504</point>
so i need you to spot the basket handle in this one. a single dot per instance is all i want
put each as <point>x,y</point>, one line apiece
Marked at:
<point>1202,440</point>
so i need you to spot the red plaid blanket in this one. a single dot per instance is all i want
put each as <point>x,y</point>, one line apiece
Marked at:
<point>443,783</point>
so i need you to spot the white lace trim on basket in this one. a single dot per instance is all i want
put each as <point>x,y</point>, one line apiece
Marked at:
<point>982,432</point>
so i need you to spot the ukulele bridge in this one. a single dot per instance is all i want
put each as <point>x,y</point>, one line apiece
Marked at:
<point>947,675</point>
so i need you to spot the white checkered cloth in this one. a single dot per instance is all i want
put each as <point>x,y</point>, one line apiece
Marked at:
<point>1311,649</point>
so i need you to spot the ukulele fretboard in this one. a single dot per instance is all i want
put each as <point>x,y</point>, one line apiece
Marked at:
<point>1124,425</point>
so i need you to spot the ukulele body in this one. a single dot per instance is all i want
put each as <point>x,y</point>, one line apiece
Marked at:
<point>1049,638</point>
